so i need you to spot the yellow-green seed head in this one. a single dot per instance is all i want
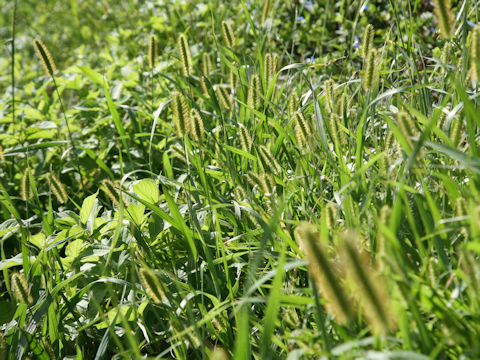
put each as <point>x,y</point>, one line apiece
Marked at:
<point>303,130</point>
<point>151,284</point>
<point>240,193</point>
<point>325,272</point>
<point>267,7</point>
<point>456,133</point>
<point>331,215</point>
<point>233,79</point>
<point>152,51</point>
<point>21,288</point>
<point>45,57</point>
<point>228,35</point>
<point>203,85</point>
<point>446,50</point>
<point>245,138</point>
<point>196,129</point>
<point>367,44</point>
<point>329,95</point>
<point>181,115</point>
<point>475,54</point>
<point>367,285</point>
<point>224,97</point>
<point>267,184</point>
<point>293,104</point>
<point>253,96</point>
<point>26,190</point>
<point>57,189</point>
<point>184,54</point>
<point>270,163</point>
<point>207,64</point>
<point>110,189</point>
<point>461,207</point>
<point>443,12</point>
<point>407,126</point>
<point>370,74</point>
<point>253,179</point>
<point>270,63</point>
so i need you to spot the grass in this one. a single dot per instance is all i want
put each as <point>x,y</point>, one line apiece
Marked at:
<point>236,180</point>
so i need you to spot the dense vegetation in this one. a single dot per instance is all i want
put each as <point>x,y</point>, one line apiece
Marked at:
<point>240,179</point>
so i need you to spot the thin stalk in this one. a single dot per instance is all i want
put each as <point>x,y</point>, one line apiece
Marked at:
<point>74,148</point>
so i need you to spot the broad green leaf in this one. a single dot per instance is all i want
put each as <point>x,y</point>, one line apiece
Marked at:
<point>136,213</point>
<point>87,208</point>
<point>147,189</point>
<point>74,248</point>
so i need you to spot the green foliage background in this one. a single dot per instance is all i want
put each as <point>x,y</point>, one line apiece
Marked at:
<point>211,223</point>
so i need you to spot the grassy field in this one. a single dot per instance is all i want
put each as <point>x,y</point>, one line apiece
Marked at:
<point>240,179</point>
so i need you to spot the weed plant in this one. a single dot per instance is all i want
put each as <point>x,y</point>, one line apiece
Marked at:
<point>240,180</point>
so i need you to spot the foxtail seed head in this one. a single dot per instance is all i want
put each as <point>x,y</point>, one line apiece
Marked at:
<point>329,95</point>
<point>331,215</point>
<point>203,85</point>
<point>21,289</point>
<point>303,131</point>
<point>368,286</point>
<point>471,271</point>
<point>245,138</point>
<point>475,54</point>
<point>253,179</point>
<point>185,57</point>
<point>26,191</point>
<point>240,193</point>
<point>446,50</point>
<point>267,7</point>
<point>224,97</point>
<point>443,12</point>
<point>152,51</point>
<point>342,105</point>
<point>228,35</point>
<point>45,57</point>
<point>57,189</point>
<point>181,115</point>
<point>195,128</point>
<point>367,44</point>
<point>370,75</point>
<point>207,64</point>
<point>151,284</point>
<point>267,184</point>
<point>293,104</point>
<point>253,96</point>
<point>270,63</point>
<point>336,131</point>
<point>109,188</point>
<point>461,207</point>
<point>456,127</point>
<point>233,79</point>
<point>390,143</point>
<point>269,162</point>
<point>324,271</point>
<point>2,155</point>
<point>407,126</point>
